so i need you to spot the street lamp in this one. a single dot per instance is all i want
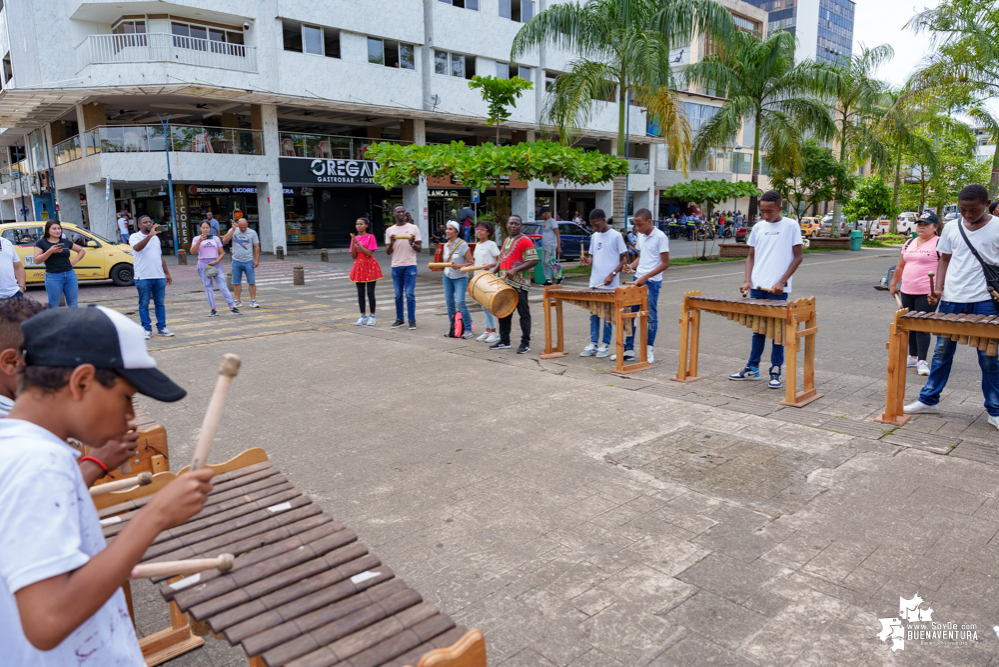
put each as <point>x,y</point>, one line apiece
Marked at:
<point>173,208</point>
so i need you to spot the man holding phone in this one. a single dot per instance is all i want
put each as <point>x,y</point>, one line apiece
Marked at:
<point>151,275</point>
<point>245,259</point>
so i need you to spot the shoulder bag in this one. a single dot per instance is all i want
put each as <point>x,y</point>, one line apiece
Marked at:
<point>991,270</point>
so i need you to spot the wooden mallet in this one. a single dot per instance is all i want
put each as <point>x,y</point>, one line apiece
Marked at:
<point>182,568</point>
<point>228,368</point>
<point>469,269</point>
<point>141,479</point>
<point>931,274</point>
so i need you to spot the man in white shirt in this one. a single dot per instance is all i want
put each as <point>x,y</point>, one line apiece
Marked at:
<point>151,275</point>
<point>775,251</point>
<point>11,271</point>
<point>607,256</point>
<point>652,260</point>
<point>961,289</point>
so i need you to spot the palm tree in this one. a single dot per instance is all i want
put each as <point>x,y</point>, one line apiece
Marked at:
<point>765,90</point>
<point>967,32</point>
<point>623,48</point>
<point>985,119</point>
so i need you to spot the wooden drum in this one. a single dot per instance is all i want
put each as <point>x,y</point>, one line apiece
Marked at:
<point>489,291</point>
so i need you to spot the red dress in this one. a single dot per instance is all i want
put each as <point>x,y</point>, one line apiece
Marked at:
<point>365,269</point>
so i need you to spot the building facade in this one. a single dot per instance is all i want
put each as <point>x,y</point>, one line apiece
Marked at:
<point>824,28</point>
<point>265,109</point>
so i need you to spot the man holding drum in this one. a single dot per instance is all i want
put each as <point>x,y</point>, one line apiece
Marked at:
<point>517,257</point>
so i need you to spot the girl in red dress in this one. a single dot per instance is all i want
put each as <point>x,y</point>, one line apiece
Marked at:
<point>366,270</point>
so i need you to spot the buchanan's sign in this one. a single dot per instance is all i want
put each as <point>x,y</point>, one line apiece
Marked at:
<point>328,170</point>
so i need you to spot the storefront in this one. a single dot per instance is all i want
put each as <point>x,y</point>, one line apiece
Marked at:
<point>224,201</point>
<point>443,204</point>
<point>569,201</point>
<point>325,197</point>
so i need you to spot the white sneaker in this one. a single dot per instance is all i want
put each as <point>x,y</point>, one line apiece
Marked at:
<point>629,355</point>
<point>149,334</point>
<point>994,421</point>
<point>371,319</point>
<point>918,407</point>
<point>652,356</point>
<point>589,351</point>
<point>493,338</point>
<point>911,362</point>
<point>922,368</point>
<point>482,336</point>
<point>254,304</point>
<point>237,303</point>
<point>603,351</point>
<point>361,321</point>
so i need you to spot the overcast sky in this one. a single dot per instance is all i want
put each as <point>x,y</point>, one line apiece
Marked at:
<point>883,22</point>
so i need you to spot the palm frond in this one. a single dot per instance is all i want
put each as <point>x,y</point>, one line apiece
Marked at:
<point>570,104</point>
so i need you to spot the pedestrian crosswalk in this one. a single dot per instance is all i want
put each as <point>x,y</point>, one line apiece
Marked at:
<point>280,273</point>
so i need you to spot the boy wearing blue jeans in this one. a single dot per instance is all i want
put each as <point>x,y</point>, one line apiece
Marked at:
<point>775,251</point>
<point>608,255</point>
<point>652,260</point>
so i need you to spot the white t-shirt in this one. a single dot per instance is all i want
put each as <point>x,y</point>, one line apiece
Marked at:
<point>486,252</point>
<point>148,261</point>
<point>774,243</point>
<point>8,257</point>
<point>649,248</point>
<point>965,280</point>
<point>123,224</point>
<point>606,249</point>
<point>6,404</point>
<point>49,526</point>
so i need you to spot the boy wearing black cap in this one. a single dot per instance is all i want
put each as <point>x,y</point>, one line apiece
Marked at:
<point>60,596</point>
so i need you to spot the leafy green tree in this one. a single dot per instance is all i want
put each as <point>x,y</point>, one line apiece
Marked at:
<point>710,193</point>
<point>967,58</point>
<point>819,179</point>
<point>986,119</point>
<point>766,91</point>
<point>499,94</point>
<point>955,166</point>
<point>623,48</point>
<point>873,200</point>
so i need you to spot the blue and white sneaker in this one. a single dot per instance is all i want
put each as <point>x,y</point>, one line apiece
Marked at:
<point>361,321</point>
<point>371,320</point>
<point>746,373</point>
<point>775,382</point>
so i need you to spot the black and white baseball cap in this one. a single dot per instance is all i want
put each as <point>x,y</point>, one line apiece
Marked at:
<point>99,336</point>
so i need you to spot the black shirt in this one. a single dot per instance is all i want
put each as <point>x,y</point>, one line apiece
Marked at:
<point>58,262</point>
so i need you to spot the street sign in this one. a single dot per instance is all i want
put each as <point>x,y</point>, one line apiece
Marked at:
<point>476,195</point>
<point>107,189</point>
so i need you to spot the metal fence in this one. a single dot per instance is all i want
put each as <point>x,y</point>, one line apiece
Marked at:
<point>162,47</point>
<point>328,146</point>
<point>151,138</point>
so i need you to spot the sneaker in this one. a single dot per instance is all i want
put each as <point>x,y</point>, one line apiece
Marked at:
<point>775,382</point>
<point>524,348</point>
<point>919,407</point>
<point>149,334</point>
<point>467,334</point>
<point>164,332</point>
<point>254,304</point>
<point>412,325</point>
<point>371,318</point>
<point>214,313</point>
<point>493,337</point>
<point>911,362</point>
<point>236,311</point>
<point>602,352</point>
<point>629,355</point>
<point>589,350</point>
<point>922,368</point>
<point>237,303</point>
<point>746,373</point>
<point>482,336</point>
<point>361,321</point>
<point>397,324</point>
<point>652,356</point>
<point>500,346</point>
<point>994,420</point>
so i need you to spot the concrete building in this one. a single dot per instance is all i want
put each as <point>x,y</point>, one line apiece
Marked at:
<point>271,106</point>
<point>824,28</point>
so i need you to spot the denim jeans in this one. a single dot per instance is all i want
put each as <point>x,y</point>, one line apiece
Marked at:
<point>454,295</point>
<point>760,340</point>
<point>155,288</point>
<point>654,286</point>
<point>57,284</point>
<point>404,278</point>
<point>943,357</point>
<point>595,330</point>
<point>490,319</point>
<point>240,268</point>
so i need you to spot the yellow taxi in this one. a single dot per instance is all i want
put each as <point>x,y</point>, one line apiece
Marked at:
<point>104,259</point>
<point>809,226</point>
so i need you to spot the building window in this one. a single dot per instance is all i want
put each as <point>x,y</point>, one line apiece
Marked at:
<point>550,80</point>
<point>205,38</point>
<point>454,64</point>
<point>465,4</point>
<point>391,54</point>
<point>129,28</point>
<point>521,11</point>
<point>376,51</point>
<point>8,70</point>
<point>510,70</point>
<point>745,24</point>
<point>315,40</point>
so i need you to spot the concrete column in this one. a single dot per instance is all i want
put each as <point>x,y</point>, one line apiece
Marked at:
<point>89,116</point>
<point>522,203</point>
<point>414,198</point>
<point>69,205</point>
<point>8,213</point>
<point>57,131</point>
<point>643,199</point>
<point>102,214</point>
<point>605,201</point>
<point>270,200</point>
<point>373,132</point>
<point>230,120</point>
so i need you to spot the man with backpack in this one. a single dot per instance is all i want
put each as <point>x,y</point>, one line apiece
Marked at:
<point>967,271</point>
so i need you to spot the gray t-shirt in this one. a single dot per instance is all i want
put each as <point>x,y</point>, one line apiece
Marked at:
<point>548,228</point>
<point>242,245</point>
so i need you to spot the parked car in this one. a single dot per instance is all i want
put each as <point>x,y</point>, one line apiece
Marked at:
<point>809,226</point>
<point>573,237</point>
<point>104,260</point>
<point>740,234</point>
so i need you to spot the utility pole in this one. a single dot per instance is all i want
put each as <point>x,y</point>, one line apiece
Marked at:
<point>173,207</point>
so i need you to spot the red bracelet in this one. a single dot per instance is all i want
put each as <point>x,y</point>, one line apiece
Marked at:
<point>97,461</point>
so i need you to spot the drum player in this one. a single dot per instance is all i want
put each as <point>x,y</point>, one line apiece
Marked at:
<point>517,257</point>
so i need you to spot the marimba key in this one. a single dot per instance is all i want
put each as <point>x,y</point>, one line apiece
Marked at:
<point>983,344</point>
<point>992,348</point>
<point>412,656</point>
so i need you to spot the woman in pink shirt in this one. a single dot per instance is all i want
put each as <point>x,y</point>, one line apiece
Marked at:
<point>919,257</point>
<point>210,252</point>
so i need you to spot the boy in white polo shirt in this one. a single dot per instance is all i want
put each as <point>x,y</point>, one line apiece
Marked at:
<point>775,251</point>
<point>60,584</point>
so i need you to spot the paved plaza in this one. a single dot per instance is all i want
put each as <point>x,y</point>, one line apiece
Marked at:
<point>583,519</point>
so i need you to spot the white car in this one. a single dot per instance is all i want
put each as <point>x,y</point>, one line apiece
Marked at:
<point>907,221</point>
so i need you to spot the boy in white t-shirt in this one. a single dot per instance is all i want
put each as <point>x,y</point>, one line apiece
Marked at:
<point>652,260</point>
<point>961,289</point>
<point>60,584</point>
<point>775,251</point>
<point>608,255</point>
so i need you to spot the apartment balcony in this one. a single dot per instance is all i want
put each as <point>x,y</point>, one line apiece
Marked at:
<point>638,165</point>
<point>294,144</point>
<point>165,48</point>
<point>152,138</point>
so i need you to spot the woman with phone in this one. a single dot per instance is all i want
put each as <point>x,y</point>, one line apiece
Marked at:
<point>210,252</point>
<point>54,251</point>
<point>366,271</point>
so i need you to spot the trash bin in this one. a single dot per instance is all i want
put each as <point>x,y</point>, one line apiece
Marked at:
<point>856,239</point>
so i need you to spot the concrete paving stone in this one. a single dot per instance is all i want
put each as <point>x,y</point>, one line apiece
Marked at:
<point>840,592</point>
<point>666,553</point>
<point>552,608</point>
<point>916,569</point>
<point>576,580</point>
<point>752,408</point>
<point>730,578</point>
<point>615,517</point>
<point>788,634</point>
<point>850,641</point>
<point>796,550</point>
<point>626,632</point>
<point>936,443</point>
<point>651,524</point>
<point>647,589</point>
<point>865,580</point>
<point>801,416</point>
<point>739,517</point>
<point>594,600</point>
<point>737,543</point>
<point>856,428</point>
<point>595,658</point>
<point>974,451</point>
<point>527,658</point>
<point>717,619</point>
<point>834,563</point>
<point>696,650</point>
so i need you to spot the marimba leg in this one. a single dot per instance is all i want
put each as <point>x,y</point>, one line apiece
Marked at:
<point>170,642</point>
<point>792,397</point>
<point>898,346</point>
<point>559,351</point>
<point>686,349</point>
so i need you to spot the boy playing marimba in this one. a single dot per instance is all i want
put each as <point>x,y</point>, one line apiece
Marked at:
<point>60,585</point>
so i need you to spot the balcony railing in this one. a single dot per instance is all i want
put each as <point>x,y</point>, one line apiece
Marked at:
<point>68,150</point>
<point>14,172</point>
<point>327,146</point>
<point>638,165</point>
<point>165,48</point>
<point>150,138</point>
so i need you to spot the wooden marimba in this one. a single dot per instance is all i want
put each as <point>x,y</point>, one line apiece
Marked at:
<point>777,320</point>
<point>151,453</point>
<point>979,331</point>
<point>302,591</point>
<point>609,305</point>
